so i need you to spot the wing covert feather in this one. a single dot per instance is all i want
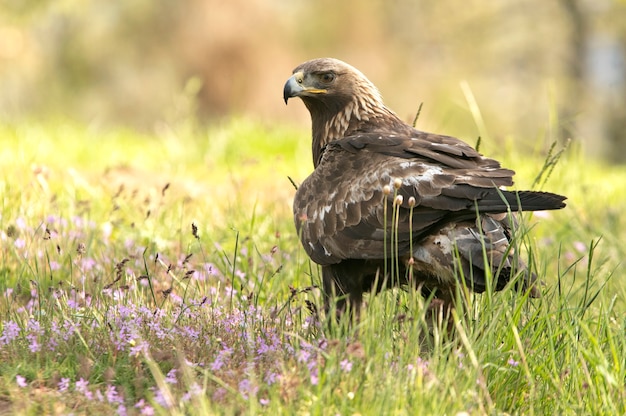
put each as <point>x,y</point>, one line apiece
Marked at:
<point>339,209</point>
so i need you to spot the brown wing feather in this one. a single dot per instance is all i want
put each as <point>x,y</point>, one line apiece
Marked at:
<point>339,210</point>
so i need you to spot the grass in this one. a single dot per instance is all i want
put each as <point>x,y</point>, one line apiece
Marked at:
<point>161,274</point>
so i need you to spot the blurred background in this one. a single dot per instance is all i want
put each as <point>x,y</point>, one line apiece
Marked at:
<point>551,70</point>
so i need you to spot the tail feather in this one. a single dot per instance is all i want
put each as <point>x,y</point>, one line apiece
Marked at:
<point>502,201</point>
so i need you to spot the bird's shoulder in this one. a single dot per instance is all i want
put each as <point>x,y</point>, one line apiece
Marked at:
<point>409,143</point>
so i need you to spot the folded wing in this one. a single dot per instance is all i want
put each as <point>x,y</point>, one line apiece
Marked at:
<point>342,211</point>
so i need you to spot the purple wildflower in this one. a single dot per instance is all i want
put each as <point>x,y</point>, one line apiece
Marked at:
<point>147,410</point>
<point>33,336</point>
<point>420,366</point>
<point>580,246</point>
<point>171,377</point>
<point>198,276</point>
<point>211,269</point>
<point>314,377</point>
<point>194,390</point>
<point>191,333</point>
<point>20,223</point>
<point>112,395</point>
<point>219,394</point>
<point>82,386</point>
<point>63,384</point>
<point>271,378</point>
<point>10,331</point>
<point>160,398</point>
<point>303,356</point>
<point>460,357</point>
<point>346,366</point>
<point>129,243</point>
<point>247,388</point>
<point>21,381</point>
<point>155,326</point>
<point>87,263</point>
<point>141,347</point>
<point>229,291</point>
<point>78,221</point>
<point>99,395</point>
<point>263,347</point>
<point>69,328</point>
<point>175,299</point>
<point>310,321</point>
<point>512,362</point>
<point>221,358</point>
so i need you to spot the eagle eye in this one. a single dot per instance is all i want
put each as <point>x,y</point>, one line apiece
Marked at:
<point>327,77</point>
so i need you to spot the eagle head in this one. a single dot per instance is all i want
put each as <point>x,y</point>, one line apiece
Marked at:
<point>340,99</point>
<point>330,82</point>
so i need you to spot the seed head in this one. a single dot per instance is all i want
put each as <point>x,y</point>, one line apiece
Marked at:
<point>411,201</point>
<point>397,183</point>
<point>399,199</point>
<point>386,189</point>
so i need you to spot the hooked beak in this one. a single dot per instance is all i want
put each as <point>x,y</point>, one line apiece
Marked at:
<point>294,87</point>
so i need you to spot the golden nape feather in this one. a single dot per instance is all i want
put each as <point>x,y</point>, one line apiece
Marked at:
<point>449,202</point>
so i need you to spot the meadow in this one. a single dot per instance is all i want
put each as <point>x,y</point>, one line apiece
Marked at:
<point>161,274</point>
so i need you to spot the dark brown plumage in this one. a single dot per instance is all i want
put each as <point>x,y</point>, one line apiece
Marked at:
<point>370,164</point>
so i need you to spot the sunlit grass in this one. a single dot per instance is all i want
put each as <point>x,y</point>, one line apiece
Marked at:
<point>162,273</point>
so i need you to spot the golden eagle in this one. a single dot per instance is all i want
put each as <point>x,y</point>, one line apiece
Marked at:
<point>387,197</point>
